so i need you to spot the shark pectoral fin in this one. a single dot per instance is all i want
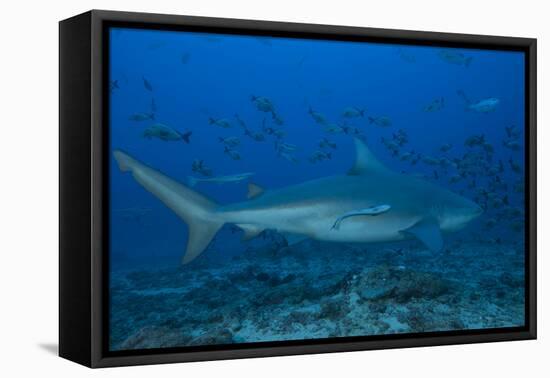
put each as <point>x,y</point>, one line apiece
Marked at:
<point>254,190</point>
<point>250,231</point>
<point>292,239</point>
<point>365,161</point>
<point>428,232</point>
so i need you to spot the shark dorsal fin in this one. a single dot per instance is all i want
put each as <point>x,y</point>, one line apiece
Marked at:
<point>254,190</point>
<point>365,161</point>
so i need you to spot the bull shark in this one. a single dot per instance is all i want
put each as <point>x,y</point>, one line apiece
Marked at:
<point>370,204</point>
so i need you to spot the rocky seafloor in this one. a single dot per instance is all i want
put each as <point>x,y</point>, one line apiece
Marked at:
<point>318,290</point>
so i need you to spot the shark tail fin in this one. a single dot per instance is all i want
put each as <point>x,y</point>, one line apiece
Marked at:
<point>193,208</point>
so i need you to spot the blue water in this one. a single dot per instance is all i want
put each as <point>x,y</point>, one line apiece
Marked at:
<point>247,292</point>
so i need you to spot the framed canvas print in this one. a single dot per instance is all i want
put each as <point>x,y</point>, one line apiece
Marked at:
<point>234,188</point>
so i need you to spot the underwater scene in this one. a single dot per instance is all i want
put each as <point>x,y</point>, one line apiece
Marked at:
<point>269,189</point>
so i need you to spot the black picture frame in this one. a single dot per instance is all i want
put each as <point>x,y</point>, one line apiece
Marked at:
<point>84,197</point>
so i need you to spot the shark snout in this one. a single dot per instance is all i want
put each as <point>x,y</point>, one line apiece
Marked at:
<point>458,216</point>
<point>470,212</point>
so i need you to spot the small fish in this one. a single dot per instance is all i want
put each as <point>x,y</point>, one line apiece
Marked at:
<point>351,130</point>
<point>518,226</point>
<point>515,166</point>
<point>198,166</point>
<point>454,179</point>
<point>211,38</point>
<point>475,140</point>
<point>113,84</point>
<point>263,104</point>
<point>370,211</point>
<point>185,58</point>
<point>487,105</point>
<point>155,45</point>
<point>279,133</point>
<point>490,223</point>
<point>430,160</point>
<point>511,144</point>
<point>381,121</point>
<point>147,84</point>
<point>445,147</point>
<point>281,146</point>
<point>406,56</point>
<point>406,156</point>
<point>221,122</point>
<point>138,117</point>
<point>240,121</point>
<point>166,133</point>
<point>257,136</point>
<point>317,117</point>
<point>455,57</point>
<point>512,132</point>
<point>401,137</point>
<point>287,156</point>
<point>353,112</point>
<point>488,147</point>
<point>319,156</point>
<point>192,181</point>
<point>277,119</point>
<point>232,153</point>
<point>325,143</point>
<point>263,41</point>
<point>334,129</point>
<point>230,141</point>
<point>435,105</point>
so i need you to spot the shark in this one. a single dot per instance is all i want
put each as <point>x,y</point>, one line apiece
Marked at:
<point>369,204</point>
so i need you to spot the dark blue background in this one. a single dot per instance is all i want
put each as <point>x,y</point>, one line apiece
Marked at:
<point>222,73</point>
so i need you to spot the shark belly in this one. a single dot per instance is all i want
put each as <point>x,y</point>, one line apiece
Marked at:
<point>414,207</point>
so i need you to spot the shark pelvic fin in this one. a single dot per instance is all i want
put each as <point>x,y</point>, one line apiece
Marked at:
<point>250,231</point>
<point>292,239</point>
<point>254,191</point>
<point>428,232</point>
<point>365,161</point>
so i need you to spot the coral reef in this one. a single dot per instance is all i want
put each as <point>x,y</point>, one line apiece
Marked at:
<point>318,290</point>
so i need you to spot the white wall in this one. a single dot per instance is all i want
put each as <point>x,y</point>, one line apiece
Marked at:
<point>28,200</point>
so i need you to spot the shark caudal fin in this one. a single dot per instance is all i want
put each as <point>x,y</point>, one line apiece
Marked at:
<point>193,208</point>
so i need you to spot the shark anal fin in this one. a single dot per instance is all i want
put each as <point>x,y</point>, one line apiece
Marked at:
<point>250,231</point>
<point>254,190</point>
<point>428,232</point>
